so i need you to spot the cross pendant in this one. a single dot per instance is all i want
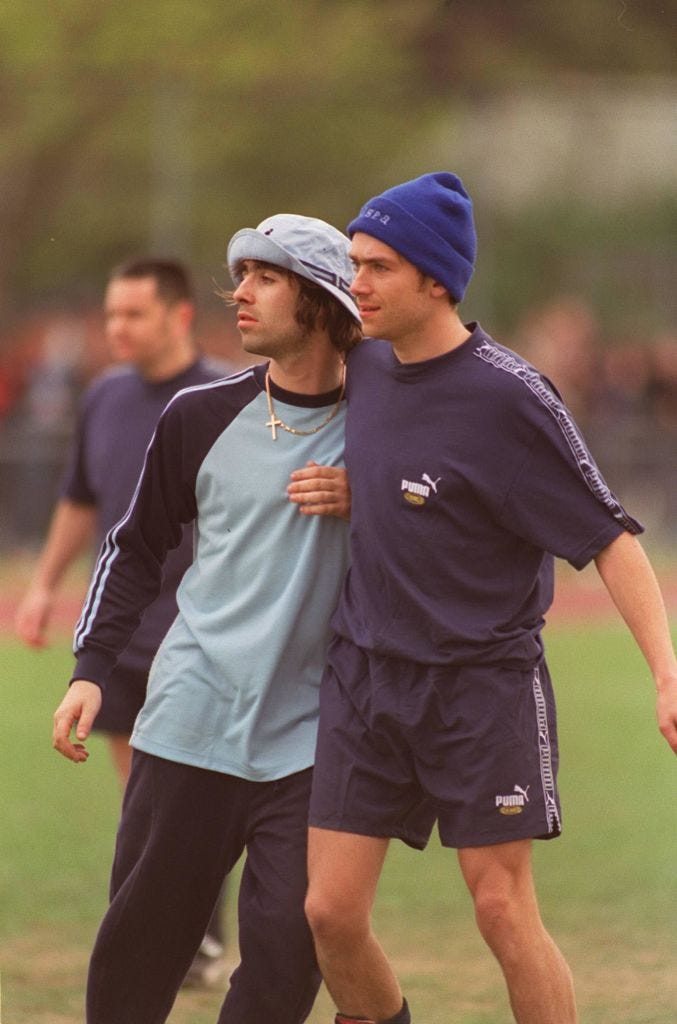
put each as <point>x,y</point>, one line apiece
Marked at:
<point>274,423</point>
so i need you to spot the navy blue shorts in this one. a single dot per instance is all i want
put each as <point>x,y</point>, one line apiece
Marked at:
<point>403,745</point>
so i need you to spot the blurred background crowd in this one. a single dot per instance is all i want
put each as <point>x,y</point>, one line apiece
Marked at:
<point>164,128</point>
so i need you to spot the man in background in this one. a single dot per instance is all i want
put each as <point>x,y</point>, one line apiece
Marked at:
<point>149,311</point>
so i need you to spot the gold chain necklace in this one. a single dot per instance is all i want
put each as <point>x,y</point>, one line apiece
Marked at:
<point>274,422</point>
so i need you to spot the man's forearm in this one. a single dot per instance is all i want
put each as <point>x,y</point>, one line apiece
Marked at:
<point>632,584</point>
<point>70,533</point>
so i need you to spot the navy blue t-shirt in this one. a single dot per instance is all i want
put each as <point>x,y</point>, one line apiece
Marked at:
<point>118,415</point>
<point>468,475</point>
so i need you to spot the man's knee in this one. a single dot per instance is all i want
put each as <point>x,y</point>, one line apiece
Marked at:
<point>501,884</point>
<point>332,917</point>
<point>322,912</point>
<point>497,908</point>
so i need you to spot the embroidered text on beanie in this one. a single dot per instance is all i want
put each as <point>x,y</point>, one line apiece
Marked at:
<point>429,221</point>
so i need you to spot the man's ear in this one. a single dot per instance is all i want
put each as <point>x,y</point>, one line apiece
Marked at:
<point>185,312</point>
<point>437,289</point>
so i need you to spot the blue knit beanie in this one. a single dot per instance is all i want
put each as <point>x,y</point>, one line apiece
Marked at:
<point>428,221</point>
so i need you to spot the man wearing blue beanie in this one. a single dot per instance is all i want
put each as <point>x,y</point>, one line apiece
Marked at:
<point>468,477</point>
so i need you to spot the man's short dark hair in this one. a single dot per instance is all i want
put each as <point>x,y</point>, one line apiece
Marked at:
<point>424,277</point>
<point>172,278</point>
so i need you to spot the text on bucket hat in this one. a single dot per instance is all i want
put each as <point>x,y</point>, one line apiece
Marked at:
<point>429,221</point>
<point>306,245</point>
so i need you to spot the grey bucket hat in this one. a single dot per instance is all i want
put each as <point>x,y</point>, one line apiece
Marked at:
<point>307,246</point>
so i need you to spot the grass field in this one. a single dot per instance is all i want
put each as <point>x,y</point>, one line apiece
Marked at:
<point>608,887</point>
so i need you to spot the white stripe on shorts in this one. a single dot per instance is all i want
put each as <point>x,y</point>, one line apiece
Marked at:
<point>545,756</point>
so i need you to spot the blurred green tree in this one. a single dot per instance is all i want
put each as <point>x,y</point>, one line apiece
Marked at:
<point>169,124</point>
<point>172,124</point>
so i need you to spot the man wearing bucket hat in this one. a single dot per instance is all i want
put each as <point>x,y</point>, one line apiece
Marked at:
<point>224,744</point>
<point>468,475</point>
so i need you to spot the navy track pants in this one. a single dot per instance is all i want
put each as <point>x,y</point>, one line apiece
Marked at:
<point>182,830</point>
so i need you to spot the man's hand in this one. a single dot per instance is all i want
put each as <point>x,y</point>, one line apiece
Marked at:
<point>32,617</point>
<point>321,491</point>
<point>81,705</point>
<point>666,711</point>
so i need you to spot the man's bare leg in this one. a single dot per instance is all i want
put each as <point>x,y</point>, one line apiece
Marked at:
<point>343,871</point>
<point>539,981</point>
